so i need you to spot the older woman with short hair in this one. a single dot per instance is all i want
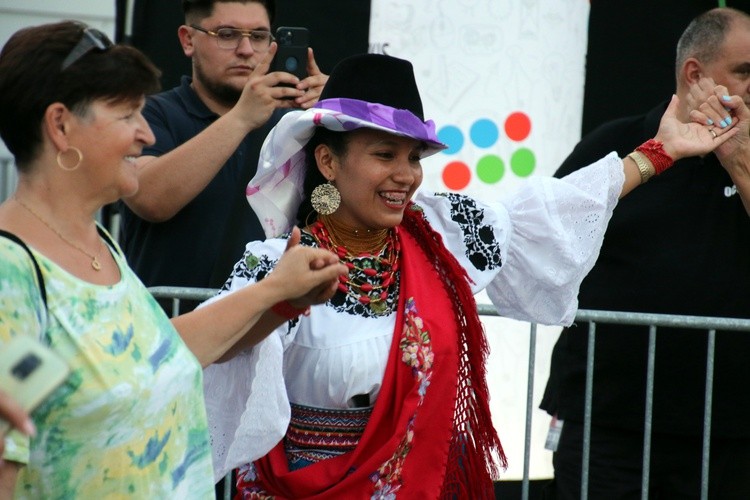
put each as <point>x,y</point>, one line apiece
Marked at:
<point>130,420</point>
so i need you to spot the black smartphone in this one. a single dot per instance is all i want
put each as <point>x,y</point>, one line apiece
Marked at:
<point>291,55</point>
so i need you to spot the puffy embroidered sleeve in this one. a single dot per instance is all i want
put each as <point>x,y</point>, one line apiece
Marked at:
<point>532,248</point>
<point>246,399</point>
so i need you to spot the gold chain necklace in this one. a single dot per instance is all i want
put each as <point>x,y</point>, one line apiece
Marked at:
<point>355,241</point>
<point>94,260</point>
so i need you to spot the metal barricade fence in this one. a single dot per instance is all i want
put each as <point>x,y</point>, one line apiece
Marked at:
<point>652,321</point>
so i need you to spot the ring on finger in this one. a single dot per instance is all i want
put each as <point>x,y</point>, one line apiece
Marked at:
<point>712,132</point>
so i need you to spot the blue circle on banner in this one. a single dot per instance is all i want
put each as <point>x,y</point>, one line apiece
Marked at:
<point>484,133</point>
<point>451,136</point>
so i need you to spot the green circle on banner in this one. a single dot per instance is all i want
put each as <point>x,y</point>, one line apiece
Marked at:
<point>490,169</point>
<point>523,162</point>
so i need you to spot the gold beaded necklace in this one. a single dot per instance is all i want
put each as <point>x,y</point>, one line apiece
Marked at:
<point>94,260</point>
<point>355,241</point>
<point>372,271</point>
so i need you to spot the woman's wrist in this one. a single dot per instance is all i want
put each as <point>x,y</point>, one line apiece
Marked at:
<point>654,151</point>
<point>288,311</point>
<point>651,159</point>
<point>645,168</point>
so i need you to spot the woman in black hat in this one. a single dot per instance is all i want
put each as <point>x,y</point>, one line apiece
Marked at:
<point>386,381</point>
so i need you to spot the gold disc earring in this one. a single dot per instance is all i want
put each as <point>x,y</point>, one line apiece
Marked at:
<point>325,198</point>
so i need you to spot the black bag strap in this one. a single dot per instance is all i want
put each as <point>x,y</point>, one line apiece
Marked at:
<point>39,278</point>
<point>105,235</point>
<point>37,269</point>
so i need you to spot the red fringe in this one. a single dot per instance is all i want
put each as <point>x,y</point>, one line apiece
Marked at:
<point>475,447</point>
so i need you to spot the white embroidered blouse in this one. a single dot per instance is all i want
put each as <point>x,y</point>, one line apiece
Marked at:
<point>529,250</point>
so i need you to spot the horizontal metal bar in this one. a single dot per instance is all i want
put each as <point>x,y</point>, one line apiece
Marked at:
<point>583,315</point>
<point>182,293</point>
<point>673,320</point>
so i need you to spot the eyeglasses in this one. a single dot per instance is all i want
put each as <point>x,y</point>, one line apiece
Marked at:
<point>92,39</point>
<point>230,38</point>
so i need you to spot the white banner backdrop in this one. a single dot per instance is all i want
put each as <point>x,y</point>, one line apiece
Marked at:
<point>503,80</point>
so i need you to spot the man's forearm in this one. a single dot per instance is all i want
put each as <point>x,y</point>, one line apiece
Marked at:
<point>169,182</point>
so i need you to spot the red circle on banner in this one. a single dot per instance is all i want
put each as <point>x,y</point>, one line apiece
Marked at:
<point>456,175</point>
<point>517,126</point>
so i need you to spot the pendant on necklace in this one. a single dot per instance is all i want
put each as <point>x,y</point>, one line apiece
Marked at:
<point>95,264</point>
<point>378,306</point>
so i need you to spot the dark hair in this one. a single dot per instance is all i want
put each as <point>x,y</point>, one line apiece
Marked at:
<point>704,36</point>
<point>195,10</point>
<point>338,142</point>
<point>31,79</point>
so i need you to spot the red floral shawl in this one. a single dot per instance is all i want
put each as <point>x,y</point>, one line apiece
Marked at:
<point>430,434</point>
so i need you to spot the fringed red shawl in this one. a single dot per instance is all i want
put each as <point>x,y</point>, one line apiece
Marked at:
<point>430,434</point>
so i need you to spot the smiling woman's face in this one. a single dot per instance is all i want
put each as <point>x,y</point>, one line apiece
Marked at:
<point>111,136</point>
<point>376,177</point>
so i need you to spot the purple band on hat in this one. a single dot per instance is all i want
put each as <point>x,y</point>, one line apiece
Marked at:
<point>401,121</point>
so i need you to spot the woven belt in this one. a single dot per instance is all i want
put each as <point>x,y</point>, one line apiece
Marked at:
<point>315,434</point>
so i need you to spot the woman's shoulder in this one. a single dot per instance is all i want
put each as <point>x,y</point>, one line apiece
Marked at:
<point>445,211</point>
<point>15,255</point>
<point>473,231</point>
<point>274,247</point>
<point>446,203</point>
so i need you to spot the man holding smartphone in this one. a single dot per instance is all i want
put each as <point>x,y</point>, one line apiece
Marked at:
<point>189,222</point>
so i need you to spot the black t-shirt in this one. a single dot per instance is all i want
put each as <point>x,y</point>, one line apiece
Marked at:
<point>679,244</point>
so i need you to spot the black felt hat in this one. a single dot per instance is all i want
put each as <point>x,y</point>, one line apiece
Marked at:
<point>375,78</point>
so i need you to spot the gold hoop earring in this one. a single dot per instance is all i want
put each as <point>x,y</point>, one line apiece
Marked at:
<point>78,163</point>
<point>325,198</point>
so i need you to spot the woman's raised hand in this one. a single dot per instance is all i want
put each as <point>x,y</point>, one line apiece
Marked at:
<point>696,138</point>
<point>308,275</point>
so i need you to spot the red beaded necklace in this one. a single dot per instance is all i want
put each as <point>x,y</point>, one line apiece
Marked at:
<point>371,273</point>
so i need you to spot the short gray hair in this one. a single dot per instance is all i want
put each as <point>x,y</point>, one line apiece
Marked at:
<point>704,36</point>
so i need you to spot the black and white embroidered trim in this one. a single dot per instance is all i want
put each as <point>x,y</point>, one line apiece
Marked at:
<point>482,249</point>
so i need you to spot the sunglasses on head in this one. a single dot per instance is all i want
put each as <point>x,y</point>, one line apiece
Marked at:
<point>92,39</point>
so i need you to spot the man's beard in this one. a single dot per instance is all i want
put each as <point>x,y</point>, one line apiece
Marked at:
<point>225,94</point>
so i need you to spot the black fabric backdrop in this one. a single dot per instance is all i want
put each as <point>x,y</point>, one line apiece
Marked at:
<point>338,28</point>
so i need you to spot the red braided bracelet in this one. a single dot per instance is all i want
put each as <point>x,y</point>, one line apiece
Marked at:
<point>288,311</point>
<point>654,151</point>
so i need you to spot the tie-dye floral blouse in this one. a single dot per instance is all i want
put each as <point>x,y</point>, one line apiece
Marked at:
<point>130,421</point>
